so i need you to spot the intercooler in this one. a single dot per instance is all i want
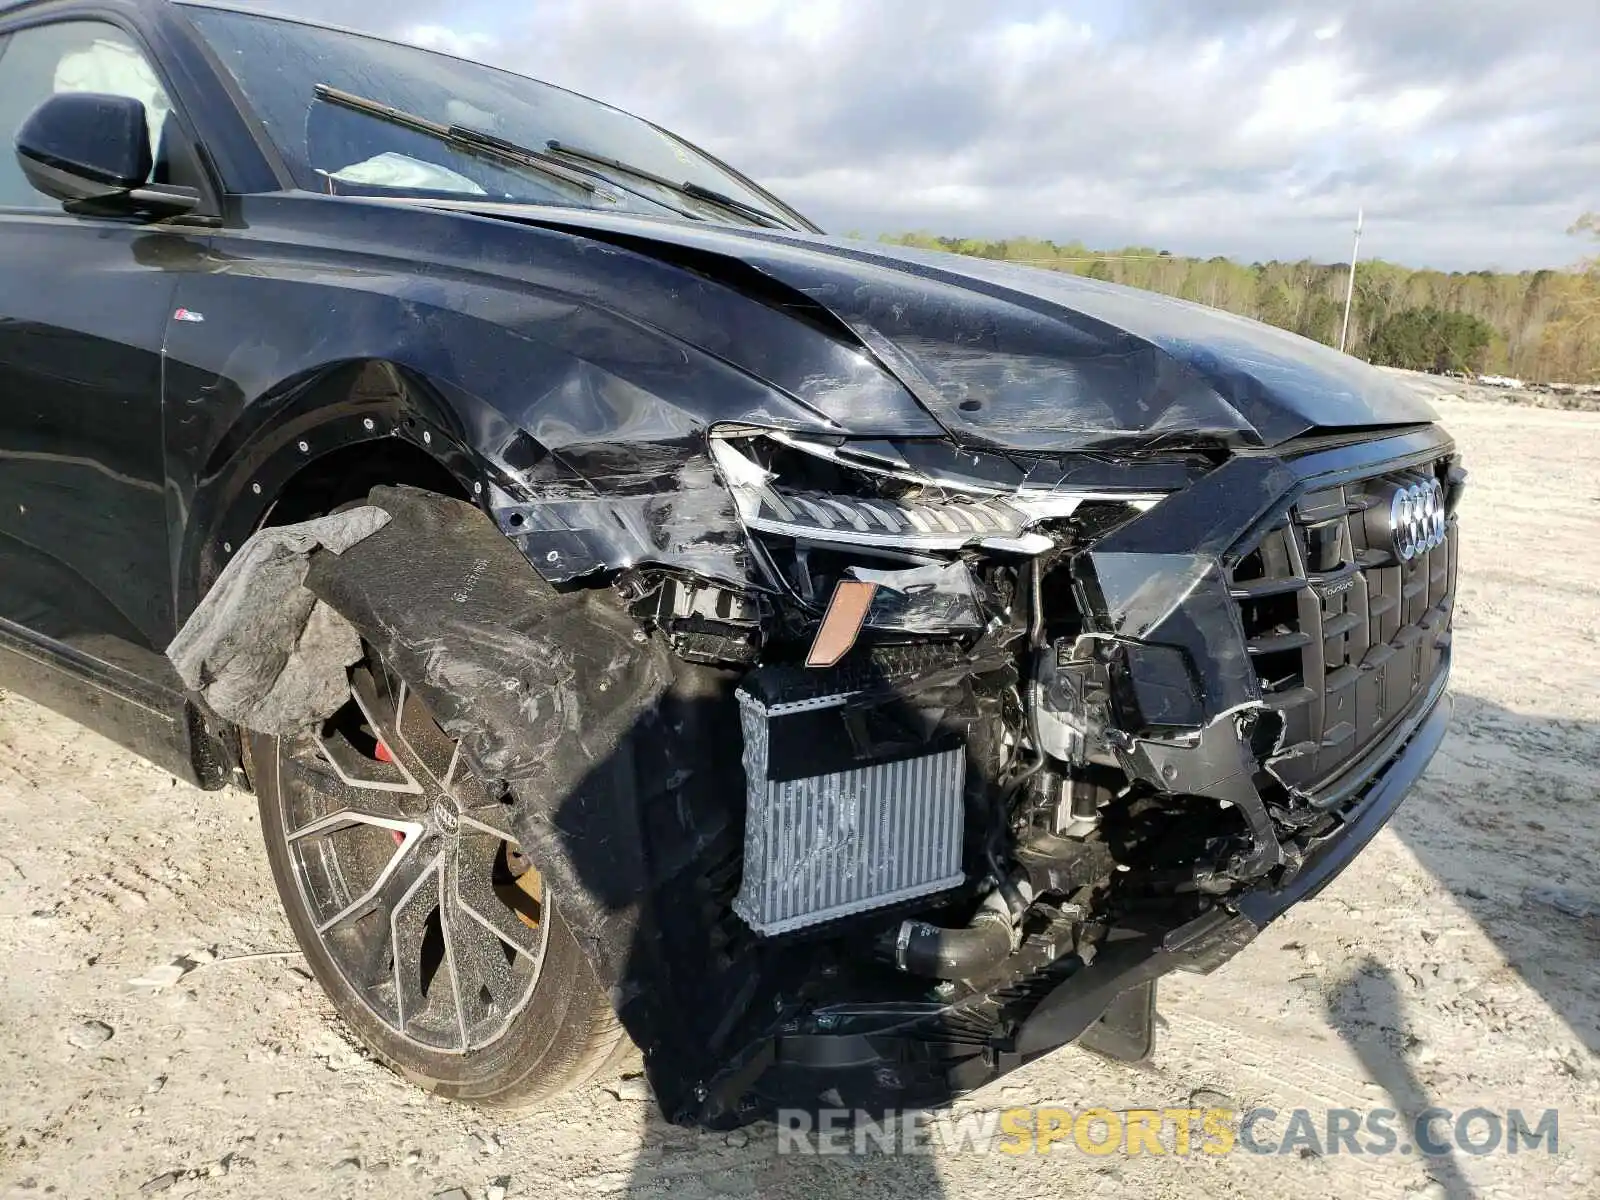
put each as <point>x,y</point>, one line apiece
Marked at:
<point>832,831</point>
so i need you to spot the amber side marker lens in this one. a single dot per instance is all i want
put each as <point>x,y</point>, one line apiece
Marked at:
<point>847,611</point>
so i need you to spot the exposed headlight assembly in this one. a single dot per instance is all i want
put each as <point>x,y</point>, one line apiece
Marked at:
<point>869,540</point>
<point>933,515</point>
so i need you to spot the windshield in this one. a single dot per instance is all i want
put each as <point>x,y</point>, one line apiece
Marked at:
<point>280,66</point>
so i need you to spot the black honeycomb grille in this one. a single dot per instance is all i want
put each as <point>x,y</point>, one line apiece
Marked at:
<point>1344,636</point>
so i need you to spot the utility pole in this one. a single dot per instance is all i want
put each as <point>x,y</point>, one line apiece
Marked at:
<point>1350,289</point>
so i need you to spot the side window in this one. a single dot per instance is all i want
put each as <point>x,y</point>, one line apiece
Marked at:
<point>71,56</point>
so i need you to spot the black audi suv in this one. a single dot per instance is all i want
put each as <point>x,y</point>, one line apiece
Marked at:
<point>846,673</point>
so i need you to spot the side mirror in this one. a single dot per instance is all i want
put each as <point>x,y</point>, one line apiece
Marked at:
<point>92,152</point>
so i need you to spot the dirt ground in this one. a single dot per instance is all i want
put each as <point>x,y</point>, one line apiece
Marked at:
<point>1456,964</point>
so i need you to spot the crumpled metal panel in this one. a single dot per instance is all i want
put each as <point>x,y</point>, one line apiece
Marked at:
<point>1010,356</point>
<point>827,846</point>
<point>691,526</point>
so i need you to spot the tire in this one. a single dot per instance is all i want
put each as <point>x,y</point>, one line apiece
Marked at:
<point>436,941</point>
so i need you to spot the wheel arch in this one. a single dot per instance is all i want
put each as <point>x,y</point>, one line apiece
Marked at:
<point>320,439</point>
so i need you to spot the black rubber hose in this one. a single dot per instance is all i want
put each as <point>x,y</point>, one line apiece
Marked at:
<point>1016,903</point>
<point>938,953</point>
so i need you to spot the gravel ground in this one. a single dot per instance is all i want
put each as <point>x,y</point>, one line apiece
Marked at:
<point>1455,964</point>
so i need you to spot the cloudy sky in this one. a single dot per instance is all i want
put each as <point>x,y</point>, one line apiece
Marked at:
<point>1469,129</point>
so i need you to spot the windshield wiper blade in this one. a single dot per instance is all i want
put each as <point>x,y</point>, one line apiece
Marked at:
<point>708,196</point>
<point>693,190</point>
<point>462,137</point>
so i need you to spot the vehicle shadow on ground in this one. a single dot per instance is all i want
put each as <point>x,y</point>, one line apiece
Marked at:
<point>697,987</point>
<point>1366,1010</point>
<point>1508,819</point>
<point>1503,817</point>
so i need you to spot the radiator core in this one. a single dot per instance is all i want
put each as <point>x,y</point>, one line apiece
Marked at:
<point>829,834</point>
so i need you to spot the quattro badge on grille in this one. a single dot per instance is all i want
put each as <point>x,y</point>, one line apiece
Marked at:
<point>1417,519</point>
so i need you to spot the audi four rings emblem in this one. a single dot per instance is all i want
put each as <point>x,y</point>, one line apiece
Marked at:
<point>1417,519</point>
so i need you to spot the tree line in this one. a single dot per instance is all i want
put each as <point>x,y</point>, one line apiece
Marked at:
<point>1535,325</point>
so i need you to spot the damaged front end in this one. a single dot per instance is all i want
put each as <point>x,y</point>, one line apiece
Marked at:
<point>863,771</point>
<point>962,750</point>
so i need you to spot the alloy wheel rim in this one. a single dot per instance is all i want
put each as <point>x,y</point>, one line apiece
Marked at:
<point>409,870</point>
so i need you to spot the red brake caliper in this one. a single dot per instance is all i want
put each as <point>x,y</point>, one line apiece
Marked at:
<point>384,755</point>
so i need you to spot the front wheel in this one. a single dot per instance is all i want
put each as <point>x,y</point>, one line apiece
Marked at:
<point>434,936</point>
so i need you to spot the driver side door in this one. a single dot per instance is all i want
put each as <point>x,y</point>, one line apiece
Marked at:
<point>85,581</point>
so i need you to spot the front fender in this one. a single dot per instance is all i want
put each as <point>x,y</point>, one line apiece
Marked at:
<point>214,507</point>
<point>507,345</point>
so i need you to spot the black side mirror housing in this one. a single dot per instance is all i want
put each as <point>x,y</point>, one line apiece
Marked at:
<point>85,146</point>
<point>92,152</point>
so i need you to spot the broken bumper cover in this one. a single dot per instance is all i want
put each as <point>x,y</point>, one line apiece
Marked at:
<point>873,1060</point>
<point>1205,944</point>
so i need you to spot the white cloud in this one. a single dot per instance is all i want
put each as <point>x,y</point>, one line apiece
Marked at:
<point>1300,100</point>
<point>1025,44</point>
<point>1408,108</point>
<point>451,41</point>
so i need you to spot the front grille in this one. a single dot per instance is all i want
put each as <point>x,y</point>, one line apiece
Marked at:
<point>1345,637</point>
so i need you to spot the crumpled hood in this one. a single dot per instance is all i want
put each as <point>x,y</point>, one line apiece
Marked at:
<point>1212,367</point>
<point>1029,359</point>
